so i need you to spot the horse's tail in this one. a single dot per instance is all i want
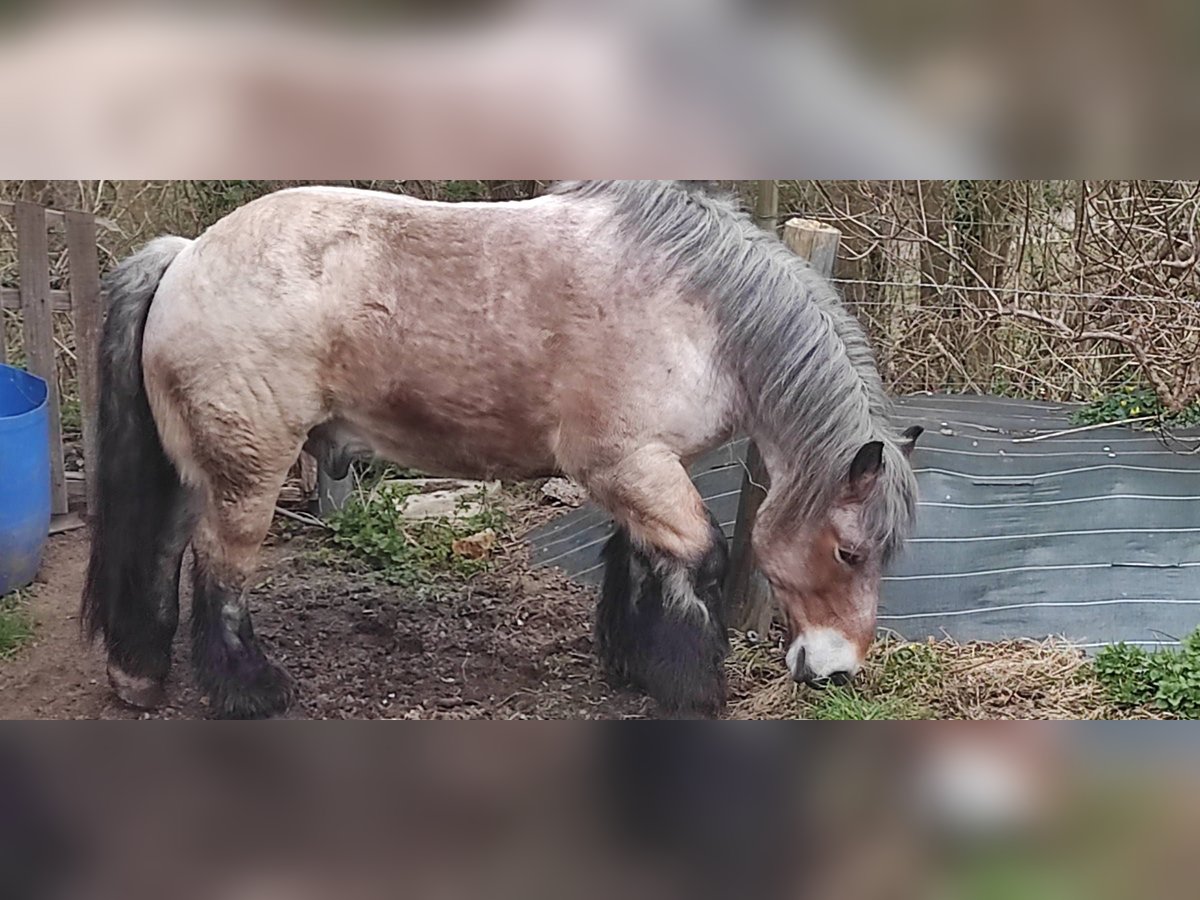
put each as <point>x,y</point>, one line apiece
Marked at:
<point>138,491</point>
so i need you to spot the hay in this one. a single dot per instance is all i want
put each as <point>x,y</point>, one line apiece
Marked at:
<point>1018,679</point>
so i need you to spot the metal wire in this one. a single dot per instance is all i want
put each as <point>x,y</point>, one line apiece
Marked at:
<point>971,288</point>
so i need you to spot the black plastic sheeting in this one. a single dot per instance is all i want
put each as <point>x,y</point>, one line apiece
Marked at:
<point>1091,536</point>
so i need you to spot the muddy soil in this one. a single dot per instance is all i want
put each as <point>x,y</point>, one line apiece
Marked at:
<point>508,643</point>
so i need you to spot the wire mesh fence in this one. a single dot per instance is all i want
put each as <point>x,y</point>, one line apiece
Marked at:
<point>1063,289</point>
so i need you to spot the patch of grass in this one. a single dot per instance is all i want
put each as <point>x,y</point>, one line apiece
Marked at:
<point>848,704</point>
<point>371,529</point>
<point>16,625</point>
<point>1167,679</point>
<point>892,686</point>
<point>908,667</point>
<point>895,684</point>
<point>1133,402</point>
<point>1018,679</point>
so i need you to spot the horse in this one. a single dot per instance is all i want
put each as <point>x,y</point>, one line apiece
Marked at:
<point>610,332</point>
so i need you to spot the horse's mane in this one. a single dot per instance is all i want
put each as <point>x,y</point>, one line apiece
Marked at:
<point>806,369</point>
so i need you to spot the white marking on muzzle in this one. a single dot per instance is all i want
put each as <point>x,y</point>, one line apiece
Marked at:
<point>793,658</point>
<point>825,651</point>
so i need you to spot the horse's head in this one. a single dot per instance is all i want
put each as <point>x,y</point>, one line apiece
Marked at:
<point>825,573</point>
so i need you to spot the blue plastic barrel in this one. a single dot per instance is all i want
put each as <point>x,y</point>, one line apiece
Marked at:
<point>24,476</point>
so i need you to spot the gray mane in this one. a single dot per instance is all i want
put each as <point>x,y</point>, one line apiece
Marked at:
<point>807,373</point>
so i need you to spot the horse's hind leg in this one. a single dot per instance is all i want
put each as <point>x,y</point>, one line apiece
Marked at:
<point>228,660</point>
<point>140,631</point>
<point>661,618</point>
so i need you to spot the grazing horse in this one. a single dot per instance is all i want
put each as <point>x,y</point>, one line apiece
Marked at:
<point>608,331</point>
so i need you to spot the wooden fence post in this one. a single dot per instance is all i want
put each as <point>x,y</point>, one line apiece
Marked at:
<point>34,272</point>
<point>815,241</point>
<point>746,587</point>
<point>84,265</point>
<point>749,595</point>
<point>766,206</point>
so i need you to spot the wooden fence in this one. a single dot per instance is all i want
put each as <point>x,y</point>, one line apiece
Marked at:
<point>36,304</point>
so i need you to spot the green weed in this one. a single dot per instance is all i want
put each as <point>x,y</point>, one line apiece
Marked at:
<point>16,625</point>
<point>1132,402</point>
<point>1125,673</point>
<point>70,415</point>
<point>1167,679</point>
<point>907,667</point>
<point>371,529</point>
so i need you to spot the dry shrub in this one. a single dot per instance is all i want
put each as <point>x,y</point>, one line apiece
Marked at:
<point>1056,289</point>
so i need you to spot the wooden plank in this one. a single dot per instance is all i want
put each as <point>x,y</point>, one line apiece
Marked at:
<point>33,267</point>
<point>749,593</point>
<point>10,298</point>
<point>53,216</point>
<point>84,262</point>
<point>66,522</point>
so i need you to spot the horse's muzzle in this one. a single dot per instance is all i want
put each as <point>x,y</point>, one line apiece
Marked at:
<point>802,674</point>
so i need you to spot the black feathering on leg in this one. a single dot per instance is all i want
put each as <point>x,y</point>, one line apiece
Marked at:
<point>229,663</point>
<point>616,618</point>
<point>670,646</point>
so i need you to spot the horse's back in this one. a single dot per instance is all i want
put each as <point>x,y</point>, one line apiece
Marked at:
<point>298,265</point>
<point>498,332</point>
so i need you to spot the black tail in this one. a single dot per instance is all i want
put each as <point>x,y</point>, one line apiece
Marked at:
<point>139,521</point>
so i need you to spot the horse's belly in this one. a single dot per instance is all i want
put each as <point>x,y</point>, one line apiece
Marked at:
<point>461,459</point>
<point>452,441</point>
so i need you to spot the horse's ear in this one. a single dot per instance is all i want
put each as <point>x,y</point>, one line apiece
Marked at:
<point>910,436</point>
<point>867,464</point>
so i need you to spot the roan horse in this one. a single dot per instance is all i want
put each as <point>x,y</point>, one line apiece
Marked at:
<point>608,331</point>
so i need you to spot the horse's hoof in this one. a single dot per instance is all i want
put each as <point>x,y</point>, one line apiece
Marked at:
<point>138,691</point>
<point>692,715</point>
<point>692,708</point>
<point>269,693</point>
<point>700,696</point>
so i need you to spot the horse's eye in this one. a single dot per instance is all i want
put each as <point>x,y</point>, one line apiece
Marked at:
<point>849,557</point>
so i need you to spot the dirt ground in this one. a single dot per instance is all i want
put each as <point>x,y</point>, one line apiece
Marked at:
<point>509,643</point>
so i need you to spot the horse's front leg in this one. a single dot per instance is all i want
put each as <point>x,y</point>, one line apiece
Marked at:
<point>660,624</point>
